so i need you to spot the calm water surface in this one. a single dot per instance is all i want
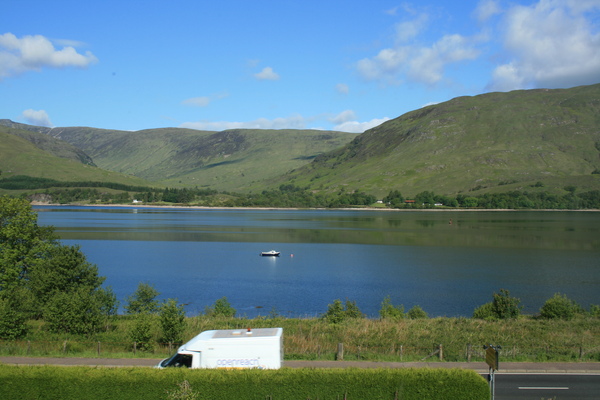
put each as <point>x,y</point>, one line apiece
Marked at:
<point>447,262</point>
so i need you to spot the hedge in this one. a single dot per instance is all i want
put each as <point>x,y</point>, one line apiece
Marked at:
<point>65,383</point>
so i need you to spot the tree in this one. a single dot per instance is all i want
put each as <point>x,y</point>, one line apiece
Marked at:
<point>221,308</point>
<point>12,322</point>
<point>172,321</point>
<point>417,313</point>
<point>21,241</point>
<point>77,312</point>
<point>141,333</point>
<point>560,307</point>
<point>390,311</point>
<point>143,300</point>
<point>337,313</point>
<point>504,306</point>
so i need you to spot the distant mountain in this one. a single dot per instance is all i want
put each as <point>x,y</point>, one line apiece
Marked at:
<point>521,140</point>
<point>35,154</point>
<point>490,142</point>
<point>231,160</point>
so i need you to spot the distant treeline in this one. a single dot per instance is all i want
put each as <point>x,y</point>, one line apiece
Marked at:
<point>291,196</point>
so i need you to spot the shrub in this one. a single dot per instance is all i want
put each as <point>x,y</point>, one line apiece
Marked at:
<point>390,311</point>
<point>141,333</point>
<point>78,312</point>
<point>143,300</point>
<point>484,311</point>
<point>222,308</point>
<point>417,313</point>
<point>337,313</point>
<point>12,322</point>
<point>172,321</point>
<point>504,306</point>
<point>560,307</point>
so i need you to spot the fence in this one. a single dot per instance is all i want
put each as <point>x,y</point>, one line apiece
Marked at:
<point>294,350</point>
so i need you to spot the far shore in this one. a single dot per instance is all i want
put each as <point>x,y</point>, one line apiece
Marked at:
<point>140,205</point>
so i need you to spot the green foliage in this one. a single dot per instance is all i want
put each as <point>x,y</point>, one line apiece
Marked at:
<point>390,311</point>
<point>338,312</point>
<point>184,392</point>
<point>12,322</point>
<point>143,300</point>
<point>172,321</point>
<point>485,311</point>
<point>147,383</point>
<point>221,308</point>
<point>560,307</point>
<point>503,306</point>
<point>76,312</point>
<point>595,310</point>
<point>416,312</point>
<point>141,332</point>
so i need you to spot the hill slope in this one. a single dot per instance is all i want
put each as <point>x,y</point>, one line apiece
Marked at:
<point>230,160</point>
<point>471,143</point>
<point>20,156</point>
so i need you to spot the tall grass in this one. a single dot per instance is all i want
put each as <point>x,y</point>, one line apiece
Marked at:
<point>523,339</point>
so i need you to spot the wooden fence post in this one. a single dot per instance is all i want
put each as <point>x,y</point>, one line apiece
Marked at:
<point>65,346</point>
<point>98,348</point>
<point>468,352</point>
<point>340,352</point>
<point>134,347</point>
<point>441,352</point>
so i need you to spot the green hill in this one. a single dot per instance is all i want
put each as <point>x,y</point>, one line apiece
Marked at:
<point>36,154</point>
<point>490,142</point>
<point>231,160</point>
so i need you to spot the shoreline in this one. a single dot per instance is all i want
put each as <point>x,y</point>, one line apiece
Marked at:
<point>41,204</point>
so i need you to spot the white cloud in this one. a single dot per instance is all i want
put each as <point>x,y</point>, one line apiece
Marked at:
<point>421,64</point>
<point>267,74</point>
<point>342,88</point>
<point>344,121</point>
<point>359,127</point>
<point>292,122</point>
<point>19,55</point>
<point>196,101</point>
<point>344,116</point>
<point>549,44</point>
<point>36,117</point>
<point>486,9</point>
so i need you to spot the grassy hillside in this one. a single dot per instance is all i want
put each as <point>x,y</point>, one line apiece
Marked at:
<point>20,156</point>
<point>233,160</point>
<point>495,141</point>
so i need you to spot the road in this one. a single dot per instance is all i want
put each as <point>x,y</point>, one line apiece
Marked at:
<point>514,381</point>
<point>547,386</point>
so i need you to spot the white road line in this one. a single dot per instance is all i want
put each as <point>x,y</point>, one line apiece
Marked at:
<point>543,388</point>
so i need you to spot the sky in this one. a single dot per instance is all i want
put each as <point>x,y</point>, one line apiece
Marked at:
<point>332,65</point>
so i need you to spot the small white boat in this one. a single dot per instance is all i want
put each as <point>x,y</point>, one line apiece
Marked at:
<point>271,253</point>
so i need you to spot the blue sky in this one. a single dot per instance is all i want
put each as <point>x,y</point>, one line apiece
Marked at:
<point>329,64</point>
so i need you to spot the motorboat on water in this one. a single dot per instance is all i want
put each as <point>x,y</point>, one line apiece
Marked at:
<point>270,253</point>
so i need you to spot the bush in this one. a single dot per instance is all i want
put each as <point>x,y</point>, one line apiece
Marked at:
<point>12,322</point>
<point>78,312</point>
<point>172,321</point>
<point>390,311</point>
<point>502,307</point>
<point>417,313</point>
<point>560,307</point>
<point>337,313</point>
<point>141,333</point>
<point>221,308</point>
<point>143,300</point>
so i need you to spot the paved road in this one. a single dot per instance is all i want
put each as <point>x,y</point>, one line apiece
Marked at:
<point>547,386</point>
<point>507,367</point>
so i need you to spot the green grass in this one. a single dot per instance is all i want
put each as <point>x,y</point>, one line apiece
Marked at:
<point>35,382</point>
<point>523,339</point>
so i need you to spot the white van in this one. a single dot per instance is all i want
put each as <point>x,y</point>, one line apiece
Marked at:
<point>233,348</point>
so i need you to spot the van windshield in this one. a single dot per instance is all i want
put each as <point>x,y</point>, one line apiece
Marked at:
<point>178,360</point>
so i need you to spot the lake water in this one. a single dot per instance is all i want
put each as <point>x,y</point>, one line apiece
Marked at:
<point>448,262</point>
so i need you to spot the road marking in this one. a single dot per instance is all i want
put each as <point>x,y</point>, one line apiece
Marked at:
<point>543,388</point>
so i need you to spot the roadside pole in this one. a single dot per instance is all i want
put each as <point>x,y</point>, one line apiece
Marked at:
<point>491,359</point>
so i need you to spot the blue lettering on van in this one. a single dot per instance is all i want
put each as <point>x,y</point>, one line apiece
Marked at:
<point>237,362</point>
